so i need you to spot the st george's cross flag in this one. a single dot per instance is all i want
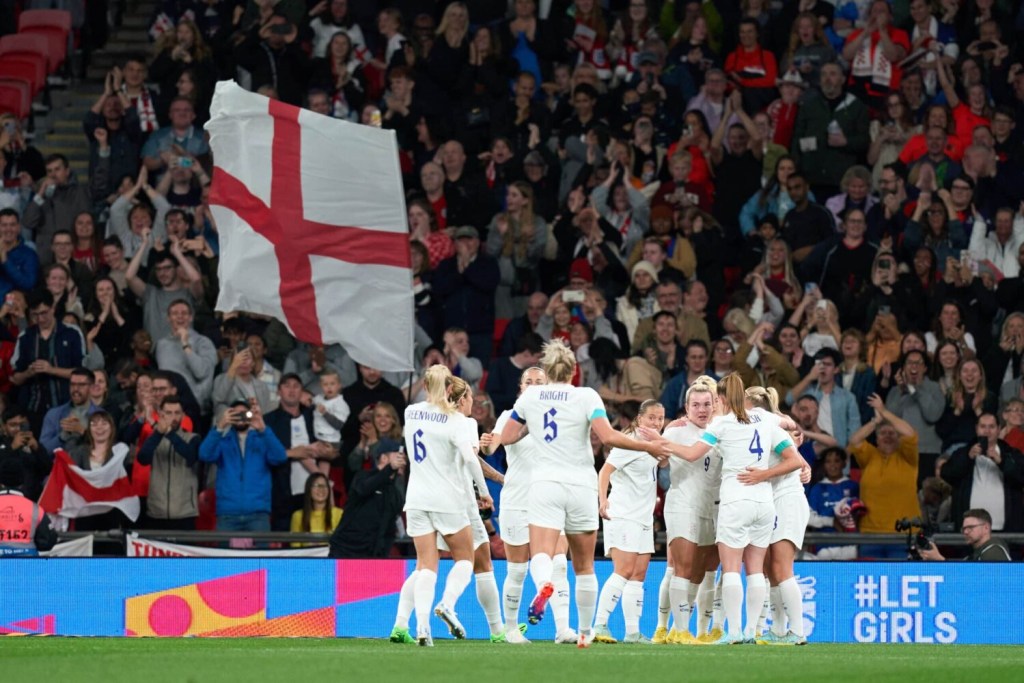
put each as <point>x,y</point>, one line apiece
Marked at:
<point>310,213</point>
<point>72,492</point>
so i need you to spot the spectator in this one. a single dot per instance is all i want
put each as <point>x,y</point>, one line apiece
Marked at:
<point>361,397</point>
<point>520,326</point>
<point>1004,361</point>
<point>115,139</point>
<point>374,502</point>
<point>292,423</point>
<point>875,53</point>
<point>805,412</point>
<point>132,222</point>
<point>156,298</point>
<point>178,50</point>
<point>262,370</point>
<point>503,374</point>
<point>188,353</point>
<point>64,425</point>
<point>661,347</point>
<point>56,203</point>
<point>977,531</point>
<point>45,354</point>
<point>19,447</point>
<point>888,477</point>
<point>239,383</point>
<point>381,433</point>
<point>1001,246</point>
<point>751,67</point>
<point>172,453</point>
<point>1013,423</point>
<point>828,497</point>
<point>673,396</point>
<point>329,412</point>
<point>19,264</point>
<point>130,84</point>
<point>838,413</point>
<point>639,301</point>
<point>244,451</point>
<point>831,133</point>
<point>181,139</point>
<point>22,161</point>
<point>329,19</point>
<point>987,470</point>
<point>806,224</point>
<point>842,264</point>
<point>457,358</point>
<point>95,451</point>
<point>920,401</point>
<point>466,284</point>
<point>318,514</point>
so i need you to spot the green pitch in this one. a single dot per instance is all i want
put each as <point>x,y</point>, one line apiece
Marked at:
<point>110,660</point>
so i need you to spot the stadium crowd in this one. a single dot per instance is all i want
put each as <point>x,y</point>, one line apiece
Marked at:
<point>827,199</point>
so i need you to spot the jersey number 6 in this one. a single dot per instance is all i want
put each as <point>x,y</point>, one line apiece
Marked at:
<point>419,451</point>
<point>550,428</point>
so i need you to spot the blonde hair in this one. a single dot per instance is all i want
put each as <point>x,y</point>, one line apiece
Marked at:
<point>438,380</point>
<point>730,390</point>
<point>764,397</point>
<point>649,404</point>
<point>521,228</point>
<point>458,391</point>
<point>700,386</point>
<point>558,361</point>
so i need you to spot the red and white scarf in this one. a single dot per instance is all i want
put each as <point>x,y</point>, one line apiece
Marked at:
<point>143,104</point>
<point>872,63</point>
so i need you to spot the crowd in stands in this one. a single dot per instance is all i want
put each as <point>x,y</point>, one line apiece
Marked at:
<point>826,198</point>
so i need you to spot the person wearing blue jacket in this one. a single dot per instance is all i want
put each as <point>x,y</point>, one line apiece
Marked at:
<point>19,264</point>
<point>244,451</point>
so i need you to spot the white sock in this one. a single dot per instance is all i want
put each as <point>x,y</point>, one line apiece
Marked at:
<point>732,603</point>
<point>705,603</point>
<point>778,612</point>
<point>765,607</point>
<point>718,606</point>
<point>792,600</point>
<point>633,605</point>
<point>455,584</point>
<point>586,600</point>
<point>512,592</point>
<point>426,581</point>
<point>406,601</point>
<point>679,589</point>
<point>487,596</point>
<point>691,593</point>
<point>611,593</point>
<point>755,602</point>
<point>664,601</point>
<point>560,599</point>
<point>540,570</point>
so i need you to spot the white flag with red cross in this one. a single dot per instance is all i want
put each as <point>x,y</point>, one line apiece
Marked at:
<point>311,218</point>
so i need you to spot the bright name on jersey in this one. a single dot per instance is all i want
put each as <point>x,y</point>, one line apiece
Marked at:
<point>554,396</point>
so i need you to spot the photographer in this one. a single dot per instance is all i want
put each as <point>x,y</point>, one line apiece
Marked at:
<point>375,500</point>
<point>990,472</point>
<point>977,531</point>
<point>244,451</point>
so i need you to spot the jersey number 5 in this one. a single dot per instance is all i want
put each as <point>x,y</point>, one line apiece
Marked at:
<point>550,428</point>
<point>755,446</point>
<point>419,451</point>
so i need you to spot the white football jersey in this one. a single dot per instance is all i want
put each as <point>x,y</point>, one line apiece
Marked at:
<point>437,476</point>
<point>744,445</point>
<point>787,483</point>
<point>634,486</point>
<point>520,459</point>
<point>559,417</point>
<point>696,483</point>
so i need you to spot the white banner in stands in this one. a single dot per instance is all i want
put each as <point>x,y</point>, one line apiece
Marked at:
<point>144,547</point>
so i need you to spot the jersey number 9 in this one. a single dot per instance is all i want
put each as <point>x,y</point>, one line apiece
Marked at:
<point>419,451</point>
<point>550,428</point>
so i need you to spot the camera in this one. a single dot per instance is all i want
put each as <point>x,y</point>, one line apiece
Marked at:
<point>916,541</point>
<point>573,296</point>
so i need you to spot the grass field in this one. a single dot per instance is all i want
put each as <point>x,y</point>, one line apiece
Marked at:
<point>109,660</point>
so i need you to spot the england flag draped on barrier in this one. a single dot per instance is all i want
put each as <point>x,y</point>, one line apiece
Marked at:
<point>311,217</point>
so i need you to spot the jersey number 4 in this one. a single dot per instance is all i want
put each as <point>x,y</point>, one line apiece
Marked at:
<point>550,427</point>
<point>755,446</point>
<point>419,451</point>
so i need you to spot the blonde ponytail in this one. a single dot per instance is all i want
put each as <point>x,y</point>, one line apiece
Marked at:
<point>730,390</point>
<point>766,398</point>
<point>438,380</point>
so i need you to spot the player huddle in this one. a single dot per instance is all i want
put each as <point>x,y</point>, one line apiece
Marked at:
<point>736,500</point>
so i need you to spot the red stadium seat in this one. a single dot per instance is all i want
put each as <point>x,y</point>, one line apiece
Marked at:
<point>28,45</point>
<point>55,25</point>
<point>499,331</point>
<point>27,73</point>
<point>207,520</point>
<point>15,99</point>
